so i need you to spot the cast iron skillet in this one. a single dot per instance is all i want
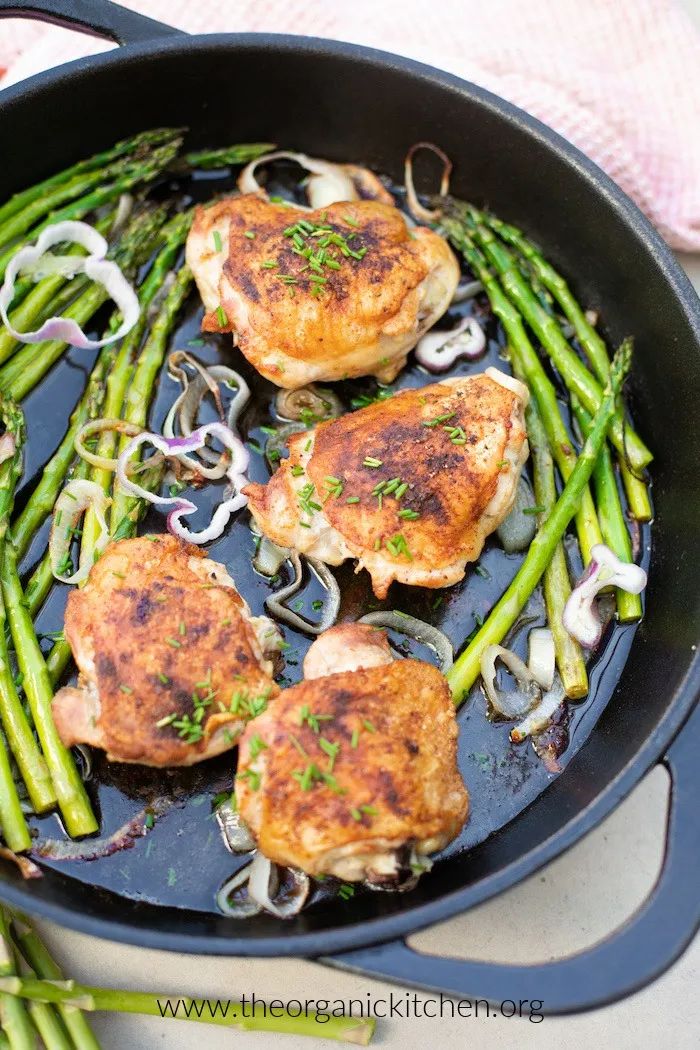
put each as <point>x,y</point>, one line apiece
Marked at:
<point>347,102</point>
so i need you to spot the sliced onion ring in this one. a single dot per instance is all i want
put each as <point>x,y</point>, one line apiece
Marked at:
<point>262,881</point>
<point>180,448</point>
<point>270,557</point>
<point>513,704</point>
<point>580,617</point>
<point>415,206</point>
<point>422,632</point>
<point>99,426</point>
<point>541,715</point>
<point>186,406</point>
<point>294,405</point>
<point>438,351</point>
<point>517,531</point>
<point>264,884</point>
<point>467,289</point>
<point>78,496</point>
<point>331,607</point>
<point>95,266</point>
<point>242,906</point>
<point>236,834</point>
<point>8,446</point>
<point>541,656</point>
<point>328,183</point>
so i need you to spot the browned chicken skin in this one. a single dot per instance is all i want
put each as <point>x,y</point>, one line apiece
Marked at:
<point>449,457</point>
<point>157,632</point>
<point>358,312</point>
<point>352,773</point>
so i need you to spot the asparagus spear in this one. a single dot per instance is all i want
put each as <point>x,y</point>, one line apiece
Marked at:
<point>612,519</point>
<point>524,357</point>
<point>248,1018</point>
<point>574,373</point>
<point>137,146</point>
<point>467,667</point>
<point>229,156</point>
<point>173,234</point>
<point>12,822</point>
<point>591,342</point>
<point>14,1018</point>
<point>29,365</point>
<point>19,735</point>
<point>151,168</point>
<point>38,957</point>
<point>72,797</point>
<point>556,586</point>
<point>140,391</point>
<point>75,188</point>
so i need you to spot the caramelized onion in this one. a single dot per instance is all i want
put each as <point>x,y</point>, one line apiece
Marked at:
<point>419,630</point>
<point>513,704</point>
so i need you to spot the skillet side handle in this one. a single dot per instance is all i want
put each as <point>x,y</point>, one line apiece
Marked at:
<point>94,17</point>
<point>626,961</point>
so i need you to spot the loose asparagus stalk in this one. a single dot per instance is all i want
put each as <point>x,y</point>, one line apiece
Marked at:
<point>556,584</point>
<point>72,797</point>
<point>14,1018</point>
<point>151,168</point>
<point>591,342</point>
<point>38,957</point>
<point>19,735</point>
<point>29,365</point>
<point>574,373</point>
<point>467,667</point>
<point>229,156</point>
<point>142,386</point>
<point>524,357</point>
<point>248,1018</point>
<point>137,146</point>
<point>12,822</point>
<point>612,519</point>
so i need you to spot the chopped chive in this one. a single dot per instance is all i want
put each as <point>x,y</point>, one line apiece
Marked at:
<point>218,245</point>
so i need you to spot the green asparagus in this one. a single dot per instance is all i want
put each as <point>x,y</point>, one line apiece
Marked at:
<point>524,357</point>
<point>467,667</point>
<point>14,1019</point>
<point>591,343</point>
<point>574,373</point>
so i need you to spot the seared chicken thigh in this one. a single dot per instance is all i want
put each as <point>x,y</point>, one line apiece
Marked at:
<point>343,291</point>
<point>354,774</point>
<point>172,664</point>
<point>410,486</point>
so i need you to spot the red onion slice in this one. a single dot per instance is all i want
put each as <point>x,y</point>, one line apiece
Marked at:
<point>30,259</point>
<point>438,351</point>
<point>580,617</point>
<point>179,448</point>
<point>78,496</point>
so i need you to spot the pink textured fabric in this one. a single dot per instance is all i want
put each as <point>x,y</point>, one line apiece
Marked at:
<point>619,78</point>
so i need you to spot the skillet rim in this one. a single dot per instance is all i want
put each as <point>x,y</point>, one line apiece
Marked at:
<point>382,929</point>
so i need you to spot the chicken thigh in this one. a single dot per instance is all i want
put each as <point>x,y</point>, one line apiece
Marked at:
<point>410,486</point>
<point>354,774</point>
<point>172,664</point>
<point>339,292</point>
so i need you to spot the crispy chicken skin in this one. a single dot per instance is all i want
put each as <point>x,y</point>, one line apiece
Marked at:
<point>393,787</point>
<point>156,625</point>
<point>347,317</point>
<point>459,445</point>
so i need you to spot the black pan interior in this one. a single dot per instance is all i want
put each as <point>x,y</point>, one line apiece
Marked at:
<point>343,106</point>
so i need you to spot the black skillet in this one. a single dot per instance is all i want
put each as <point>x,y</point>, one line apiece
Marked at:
<point>346,102</point>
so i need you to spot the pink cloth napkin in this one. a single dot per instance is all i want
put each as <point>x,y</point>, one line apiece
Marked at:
<point>619,78</point>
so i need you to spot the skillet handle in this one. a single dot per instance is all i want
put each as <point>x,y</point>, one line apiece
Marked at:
<point>94,17</point>
<point>628,960</point>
